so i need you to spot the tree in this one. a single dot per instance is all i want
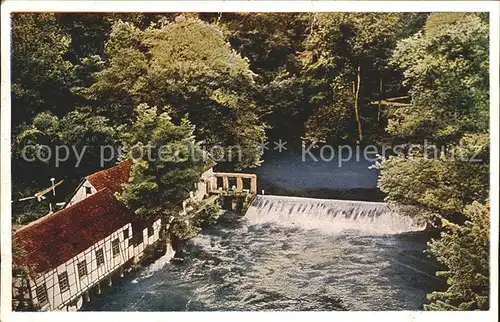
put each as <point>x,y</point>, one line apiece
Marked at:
<point>439,182</point>
<point>77,138</point>
<point>446,66</point>
<point>41,76</point>
<point>271,41</point>
<point>446,69</point>
<point>347,55</point>
<point>464,251</point>
<point>168,163</point>
<point>78,130</point>
<point>189,65</point>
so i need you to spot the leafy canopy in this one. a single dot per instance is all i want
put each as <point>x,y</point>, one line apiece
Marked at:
<point>464,250</point>
<point>41,77</point>
<point>446,67</point>
<point>186,64</point>
<point>168,163</point>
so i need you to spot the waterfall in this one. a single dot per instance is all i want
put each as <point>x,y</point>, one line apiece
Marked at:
<point>330,216</point>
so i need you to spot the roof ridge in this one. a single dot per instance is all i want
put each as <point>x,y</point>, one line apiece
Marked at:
<point>54,239</point>
<point>112,178</point>
<point>120,164</point>
<point>51,215</point>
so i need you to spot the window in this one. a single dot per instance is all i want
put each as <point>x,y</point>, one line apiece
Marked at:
<point>82,268</point>
<point>99,255</point>
<point>151,231</point>
<point>41,294</point>
<point>88,190</point>
<point>63,281</point>
<point>125,233</point>
<point>137,239</point>
<point>115,245</point>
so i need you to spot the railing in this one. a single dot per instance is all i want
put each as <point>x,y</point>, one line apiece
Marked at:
<point>242,182</point>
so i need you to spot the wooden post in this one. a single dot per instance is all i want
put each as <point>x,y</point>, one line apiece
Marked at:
<point>239,183</point>
<point>213,182</point>
<point>225,183</point>
<point>253,184</point>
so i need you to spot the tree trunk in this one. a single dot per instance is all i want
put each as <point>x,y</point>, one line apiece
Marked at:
<point>356,103</point>
<point>379,99</point>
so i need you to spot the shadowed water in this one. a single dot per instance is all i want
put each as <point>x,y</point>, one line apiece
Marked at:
<point>261,262</point>
<point>299,172</point>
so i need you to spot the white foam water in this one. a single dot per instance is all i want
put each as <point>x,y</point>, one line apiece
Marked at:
<point>156,265</point>
<point>238,265</point>
<point>330,216</point>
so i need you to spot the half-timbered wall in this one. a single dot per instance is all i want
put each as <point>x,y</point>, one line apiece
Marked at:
<point>77,285</point>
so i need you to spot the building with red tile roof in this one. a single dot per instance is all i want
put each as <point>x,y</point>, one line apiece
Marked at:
<point>112,178</point>
<point>58,258</point>
<point>58,237</point>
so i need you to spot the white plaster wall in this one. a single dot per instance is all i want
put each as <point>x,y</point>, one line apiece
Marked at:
<point>58,300</point>
<point>81,193</point>
<point>77,286</point>
<point>148,240</point>
<point>202,186</point>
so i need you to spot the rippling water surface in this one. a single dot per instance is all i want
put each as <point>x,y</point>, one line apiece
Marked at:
<point>254,263</point>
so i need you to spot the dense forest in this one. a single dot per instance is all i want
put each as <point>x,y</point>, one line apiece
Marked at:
<point>94,80</point>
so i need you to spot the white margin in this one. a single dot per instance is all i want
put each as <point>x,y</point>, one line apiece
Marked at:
<point>493,7</point>
<point>494,154</point>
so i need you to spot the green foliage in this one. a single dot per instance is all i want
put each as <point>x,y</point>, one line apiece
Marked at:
<point>225,79</point>
<point>189,65</point>
<point>76,133</point>
<point>171,163</point>
<point>449,87</point>
<point>464,251</point>
<point>208,215</point>
<point>340,48</point>
<point>345,40</point>
<point>331,117</point>
<point>78,130</point>
<point>271,41</point>
<point>442,184</point>
<point>447,69</point>
<point>41,77</point>
<point>87,32</point>
<point>199,215</point>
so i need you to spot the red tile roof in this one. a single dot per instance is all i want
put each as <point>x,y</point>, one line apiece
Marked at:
<point>54,239</point>
<point>111,178</point>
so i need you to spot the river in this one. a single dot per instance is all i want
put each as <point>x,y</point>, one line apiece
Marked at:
<point>289,254</point>
<point>246,263</point>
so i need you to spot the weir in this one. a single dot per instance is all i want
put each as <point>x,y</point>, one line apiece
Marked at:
<point>331,216</point>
